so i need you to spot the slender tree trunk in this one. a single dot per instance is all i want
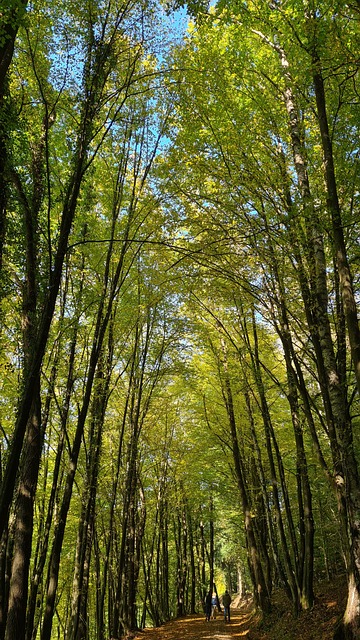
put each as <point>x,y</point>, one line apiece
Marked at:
<point>7,544</point>
<point>182,565</point>
<point>211,545</point>
<point>124,614</point>
<point>115,606</point>
<point>271,443</point>
<point>261,531</point>
<point>202,562</point>
<point>15,623</point>
<point>30,463</point>
<point>43,542</point>
<point>54,563</point>
<point>192,567</point>
<point>185,562</point>
<point>121,616</point>
<point>9,30</point>
<point>79,616</point>
<point>334,389</point>
<point>351,623</point>
<point>147,561</point>
<point>305,560</point>
<point>165,563</point>
<point>261,594</point>
<point>306,522</point>
<point>346,282</point>
<point>11,21</point>
<point>96,70</point>
<point>269,520</point>
<point>110,546</point>
<point>4,587</point>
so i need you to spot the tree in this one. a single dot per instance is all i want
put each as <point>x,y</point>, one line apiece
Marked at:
<point>179,327</point>
<point>267,180</point>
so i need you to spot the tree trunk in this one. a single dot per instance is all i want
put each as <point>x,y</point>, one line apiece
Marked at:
<point>192,608</point>
<point>123,616</point>
<point>351,623</point>
<point>15,623</point>
<point>110,547</point>
<point>30,463</point>
<point>182,566</point>
<point>7,544</point>
<point>9,29</point>
<point>269,519</point>
<point>306,522</point>
<point>211,546</point>
<point>4,586</point>
<point>305,560</point>
<point>78,622</point>
<point>43,542</point>
<point>54,562</point>
<point>202,570</point>
<point>346,282</point>
<point>261,594</point>
<point>96,70</point>
<point>165,563</point>
<point>333,389</point>
<point>271,442</point>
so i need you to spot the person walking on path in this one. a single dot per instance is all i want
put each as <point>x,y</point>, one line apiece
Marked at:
<point>208,600</point>
<point>213,606</point>
<point>226,600</point>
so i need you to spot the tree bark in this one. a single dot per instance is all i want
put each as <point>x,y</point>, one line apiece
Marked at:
<point>305,558</point>
<point>79,615</point>
<point>54,562</point>
<point>11,20</point>
<point>271,442</point>
<point>192,570</point>
<point>96,71</point>
<point>28,476</point>
<point>261,594</point>
<point>268,515</point>
<point>345,276</point>
<point>15,622</point>
<point>333,389</point>
<point>33,621</point>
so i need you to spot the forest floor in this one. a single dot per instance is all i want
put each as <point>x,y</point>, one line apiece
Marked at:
<point>317,624</point>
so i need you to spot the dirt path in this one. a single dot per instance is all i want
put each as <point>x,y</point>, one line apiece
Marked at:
<point>318,623</point>
<point>196,628</point>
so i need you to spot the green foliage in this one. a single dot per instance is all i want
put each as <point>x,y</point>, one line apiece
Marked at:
<point>191,248</point>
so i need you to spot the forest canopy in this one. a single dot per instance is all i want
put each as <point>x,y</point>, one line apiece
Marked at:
<point>180,285</point>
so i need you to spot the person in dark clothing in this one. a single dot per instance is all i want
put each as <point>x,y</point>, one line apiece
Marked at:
<point>208,606</point>
<point>226,600</point>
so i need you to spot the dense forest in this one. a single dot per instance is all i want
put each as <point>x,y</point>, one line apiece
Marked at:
<point>179,336</point>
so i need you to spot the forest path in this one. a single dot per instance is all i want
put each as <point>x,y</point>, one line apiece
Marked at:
<point>196,628</point>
